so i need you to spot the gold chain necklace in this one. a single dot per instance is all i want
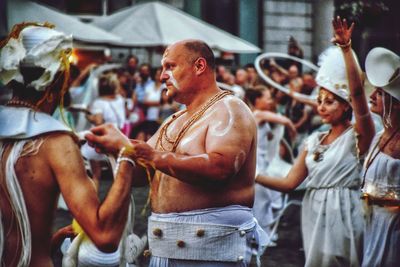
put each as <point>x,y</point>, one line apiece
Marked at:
<point>21,103</point>
<point>174,118</point>
<point>194,118</point>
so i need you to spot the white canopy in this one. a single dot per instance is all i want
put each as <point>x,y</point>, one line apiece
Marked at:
<point>19,11</point>
<point>158,24</point>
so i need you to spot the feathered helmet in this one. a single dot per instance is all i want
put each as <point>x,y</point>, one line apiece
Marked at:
<point>332,74</point>
<point>34,45</point>
<point>382,67</point>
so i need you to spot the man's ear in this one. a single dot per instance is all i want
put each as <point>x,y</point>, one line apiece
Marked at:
<point>200,65</point>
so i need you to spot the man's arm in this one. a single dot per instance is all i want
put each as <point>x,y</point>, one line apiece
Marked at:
<point>103,223</point>
<point>229,139</point>
<point>106,138</point>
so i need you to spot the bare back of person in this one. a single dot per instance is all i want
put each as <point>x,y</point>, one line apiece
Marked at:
<point>41,189</point>
<point>225,120</point>
<point>40,157</point>
<point>40,192</point>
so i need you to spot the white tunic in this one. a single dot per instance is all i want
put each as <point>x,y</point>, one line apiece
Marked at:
<point>112,110</point>
<point>262,207</point>
<point>277,166</point>
<point>332,220</point>
<point>382,225</point>
<point>153,94</point>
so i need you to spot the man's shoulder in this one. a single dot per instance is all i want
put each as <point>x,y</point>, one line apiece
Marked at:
<point>234,105</point>
<point>234,110</point>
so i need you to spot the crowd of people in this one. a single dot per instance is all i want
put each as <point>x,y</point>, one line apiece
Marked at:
<point>215,159</point>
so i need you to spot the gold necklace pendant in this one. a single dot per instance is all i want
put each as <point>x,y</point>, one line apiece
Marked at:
<point>317,156</point>
<point>165,128</point>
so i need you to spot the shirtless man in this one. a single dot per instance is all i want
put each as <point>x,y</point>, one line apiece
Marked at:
<point>203,165</point>
<point>40,156</point>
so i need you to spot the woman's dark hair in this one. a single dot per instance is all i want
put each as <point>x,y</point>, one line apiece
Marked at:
<point>348,114</point>
<point>251,95</point>
<point>107,85</point>
<point>170,99</point>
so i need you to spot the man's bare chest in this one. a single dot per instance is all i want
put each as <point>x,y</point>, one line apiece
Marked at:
<point>183,137</point>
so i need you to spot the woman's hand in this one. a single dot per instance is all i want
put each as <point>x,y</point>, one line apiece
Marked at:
<point>341,32</point>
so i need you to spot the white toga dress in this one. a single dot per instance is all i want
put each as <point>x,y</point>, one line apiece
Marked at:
<point>382,225</point>
<point>262,208</point>
<point>332,219</point>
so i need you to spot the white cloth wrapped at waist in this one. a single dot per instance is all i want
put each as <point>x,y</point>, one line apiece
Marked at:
<point>218,234</point>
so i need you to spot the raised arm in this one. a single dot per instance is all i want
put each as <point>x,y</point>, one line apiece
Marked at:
<point>364,125</point>
<point>104,222</point>
<point>77,82</point>
<point>278,67</point>
<point>305,100</point>
<point>296,175</point>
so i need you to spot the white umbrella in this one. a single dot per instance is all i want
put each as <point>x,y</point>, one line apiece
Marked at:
<point>159,24</point>
<point>19,11</point>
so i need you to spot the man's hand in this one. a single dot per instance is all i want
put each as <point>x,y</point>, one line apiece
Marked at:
<point>341,32</point>
<point>143,152</point>
<point>106,138</point>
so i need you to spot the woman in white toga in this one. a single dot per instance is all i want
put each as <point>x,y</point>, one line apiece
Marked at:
<point>381,174</point>
<point>332,219</point>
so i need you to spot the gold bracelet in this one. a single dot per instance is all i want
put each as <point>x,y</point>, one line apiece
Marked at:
<point>127,151</point>
<point>344,45</point>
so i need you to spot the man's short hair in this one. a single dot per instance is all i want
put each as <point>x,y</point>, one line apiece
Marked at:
<point>201,49</point>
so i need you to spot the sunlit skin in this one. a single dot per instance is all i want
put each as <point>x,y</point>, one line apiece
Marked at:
<point>213,130</point>
<point>56,168</point>
<point>214,163</point>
